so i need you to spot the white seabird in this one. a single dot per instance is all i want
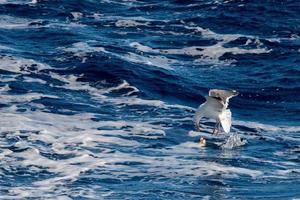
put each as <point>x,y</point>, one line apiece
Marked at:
<point>215,108</point>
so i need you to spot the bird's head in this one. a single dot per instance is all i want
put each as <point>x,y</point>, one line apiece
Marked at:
<point>235,93</point>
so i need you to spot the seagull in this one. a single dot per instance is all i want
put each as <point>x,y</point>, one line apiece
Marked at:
<point>215,107</point>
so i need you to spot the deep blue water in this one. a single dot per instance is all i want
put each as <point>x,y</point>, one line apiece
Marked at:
<point>97,99</point>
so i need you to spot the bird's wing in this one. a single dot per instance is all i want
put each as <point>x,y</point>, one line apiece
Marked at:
<point>198,115</point>
<point>225,119</point>
<point>224,95</point>
<point>214,104</point>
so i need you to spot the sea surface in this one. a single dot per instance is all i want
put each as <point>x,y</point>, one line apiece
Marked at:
<point>97,99</point>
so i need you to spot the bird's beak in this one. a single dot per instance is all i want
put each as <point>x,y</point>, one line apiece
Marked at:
<point>235,92</point>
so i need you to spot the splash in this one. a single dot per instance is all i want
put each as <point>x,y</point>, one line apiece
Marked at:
<point>233,141</point>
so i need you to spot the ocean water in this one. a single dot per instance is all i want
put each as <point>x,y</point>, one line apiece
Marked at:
<point>97,99</point>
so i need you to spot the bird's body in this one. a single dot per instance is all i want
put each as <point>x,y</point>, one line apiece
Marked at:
<point>215,108</point>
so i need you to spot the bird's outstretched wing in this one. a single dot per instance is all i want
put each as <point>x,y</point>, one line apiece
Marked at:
<point>225,119</point>
<point>224,95</point>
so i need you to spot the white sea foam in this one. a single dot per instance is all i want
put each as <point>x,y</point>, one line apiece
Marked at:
<point>158,61</point>
<point>130,23</point>
<point>5,98</point>
<point>34,80</point>
<point>207,53</point>
<point>9,22</point>
<point>20,2</point>
<point>63,132</point>
<point>97,16</point>
<point>123,2</point>
<point>123,20</point>
<point>76,15</point>
<point>72,83</point>
<point>81,145</point>
<point>6,88</point>
<point>8,78</point>
<point>90,145</point>
<point>21,65</point>
<point>82,49</point>
<point>288,172</point>
<point>169,168</point>
<point>2,47</point>
<point>267,127</point>
<point>123,85</point>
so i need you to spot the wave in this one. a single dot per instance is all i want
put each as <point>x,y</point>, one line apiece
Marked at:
<point>97,99</point>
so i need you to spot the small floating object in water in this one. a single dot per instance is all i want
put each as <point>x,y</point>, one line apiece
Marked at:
<point>202,142</point>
